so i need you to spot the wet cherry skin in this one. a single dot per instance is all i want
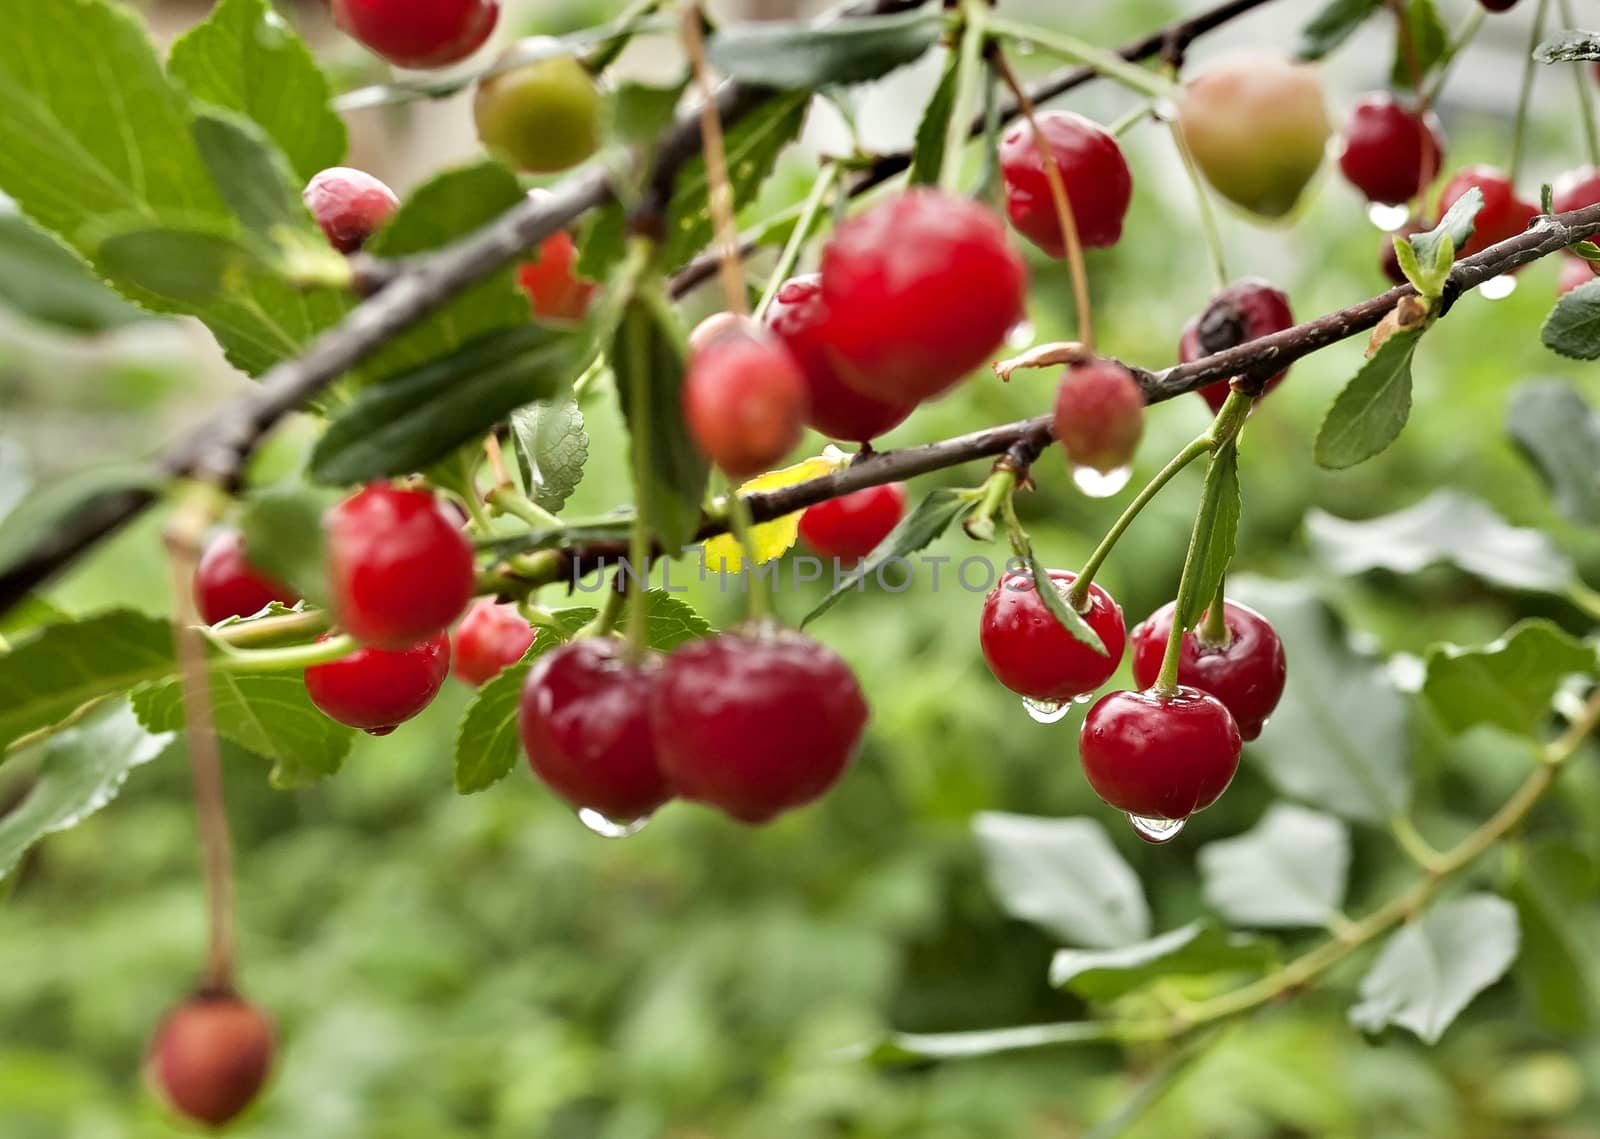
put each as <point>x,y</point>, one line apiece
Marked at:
<point>1159,757</point>
<point>1029,651</point>
<point>849,527</point>
<point>418,33</point>
<point>584,720</point>
<point>1246,310</point>
<point>490,638</point>
<point>744,399</point>
<point>1389,151</point>
<point>1099,415</point>
<point>377,690</point>
<point>1093,172</point>
<point>349,205</point>
<point>756,721</point>
<point>1504,214</point>
<point>1247,674</point>
<point>227,585</point>
<point>211,1055</point>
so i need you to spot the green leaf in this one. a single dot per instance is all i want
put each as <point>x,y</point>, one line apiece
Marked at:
<point>1447,526</point>
<point>1288,870</point>
<point>42,512</point>
<point>1554,426</point>
<point>931,518</point>
<point>1333,24</point>
<point>1218,526</point>
<point>552,448</point>
<point>640,113</point>
<point>1340,737</point>
<point>1569,46</point>
<point>1430,970</point>
<point>1573,327</point>
<point>283,537</point>
<point>83,769</point>
<point>1455,229</point>
<point>807,54</point>
<point>268,714</point>
<point>43,280</point>
<point>180,265</point>
<point>918,1047</point>
<point>927,153</point>
<point>1064,876</point>
<point>59,669</point>
<point>249,172</point>
<point>1195,950</point>
<point>648,359</point>
<point>1056,603</point>
<point>31,613</point>
<point>1509,683</point>
<point>415,418</point>
<point>246,58</point>
<point>1373,408</point>
<point>1553,887</point>
<point>1429,38</point>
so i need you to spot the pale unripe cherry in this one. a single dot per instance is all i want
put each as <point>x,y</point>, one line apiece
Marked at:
<point>744,398</point>
<point>211,1055</point>
<point>1099,415</point>
<point>543,116</point>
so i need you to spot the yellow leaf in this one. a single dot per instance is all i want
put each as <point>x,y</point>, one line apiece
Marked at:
<point>770,539</point>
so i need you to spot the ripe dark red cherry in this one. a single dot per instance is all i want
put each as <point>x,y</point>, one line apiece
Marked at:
<point>920,289</point>
<point>851,526</point>
<point>377,690</point>
<point>543,116</point>
<point>1246,674</point>
<point>1157,756</point>
<point>1504,215</point>
<point>211,1055</point>
<point>1246,310</point>
<point>489,638</point>
<point>1575,271</point>
<point>1093,172</point>
<point>398,568</point>
<point>800,319</point>
<point>1390,152</point>
<point>1498,5</point>
<point>349,205</point>
<point>585,726</point>
<point>1099,415</point>
<point>1030,652</point>
<point>418,33</point>
<point>756,721</point>
<point>1576,189</point>
<point>227,585</point>
<point>744,399</point>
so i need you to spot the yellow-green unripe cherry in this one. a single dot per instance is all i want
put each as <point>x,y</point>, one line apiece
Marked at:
<point>542,116</point>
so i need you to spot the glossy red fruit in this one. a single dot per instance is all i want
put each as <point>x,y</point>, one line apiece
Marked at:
<point>349,205</point>
<point>1246,310</point>
<point>712,327</point>
<point>551,282</point>
<point>920,289</point>
<point>490,638</point>
<point>419,33</point>
<point>756,721</point>
<point>1093,172</point>
<point>1246,674</point>
<point>1389,152</point>
<point>1576,189</point>
<point>800,319</point>
<point>1159,757</point>
<point>744,399</point>
<point>1575,271</point>
<point>1099,415</point>
<point>211,1055</point>
<point>584,720</point>
<point>1030,652</point>
<point>1504,214</point>
<point>398,568</point>
<point>377,690</point>
<point>1498,5</point>
<point>542,116</point>
<point>851,526</point>
<point>227,585</point>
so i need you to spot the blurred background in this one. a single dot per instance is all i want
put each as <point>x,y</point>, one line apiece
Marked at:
<point>444,967</point>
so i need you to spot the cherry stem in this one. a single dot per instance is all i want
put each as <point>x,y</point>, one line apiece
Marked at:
<point>1131,119</point>
<point>1209,230</point>
<point>974,32</point>
<point>1580,77</point>
<point>287,659</point>
<point>996,492</point>
<point>790,257</point>
<point>497,460</point>
<point>1058,196</point>
<point>507,499</point>
<point>1464,35</point>
<point>605,621</point>
<point>1519,136</point>
<point>730,264</point>
<point>759,604</point>
<point>623,28</point>
<point>272,630</point>
<point>1107,64</point>
<point>1408,50</point>
<point>1214,632</point>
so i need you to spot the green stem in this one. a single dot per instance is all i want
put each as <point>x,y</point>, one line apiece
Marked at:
<point>1580,77</point>
<point>1131,119</point>
<point>272,630</point>
<point>1410,840</point>
<point>1584,598</point>
<point>605,621</point>
<point>589,377</point>
<point>975,15</point>
<point>996,492</point>
<point>537,615</point>
<point>790,256</point>
<point>1106,63</point>
<point>287,659</point>
<point>510,500</point>
<point>481,522</point>
<point>638,348</point>
<point>625,25</point>
<point>1441,68</point>
<point>1213,631</point>
<point>1519,137</point>
<point>759,604</point>
<point>1209,230</point>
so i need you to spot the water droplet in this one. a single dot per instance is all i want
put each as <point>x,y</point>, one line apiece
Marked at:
<point>1101,484</point>
<point>1156,831</point>
<point>1498,288</point>
<point>1021,334</point>
<point>606,828</point>
<point>1046,711</point>
<point>1086,698</point>
<point>1388,218</point>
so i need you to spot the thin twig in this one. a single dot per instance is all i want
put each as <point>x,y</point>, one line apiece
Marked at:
<point>720,193</point>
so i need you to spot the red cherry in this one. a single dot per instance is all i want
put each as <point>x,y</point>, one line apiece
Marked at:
<point>1390,152</point>
<point>211,1055</point>
<point>1093,172</point>
<point>1498,5</point>
<point>1246,674</point>
<point>349,205</point>
<point>1030,652</point>
<point>800,320</point>
<point>585,725</point>
<point>1246,310</point>
<point>1504,215</point>
<point>490,638</point>
<point>851,526</point>
<point>1157,756</point>
<point>756,721</point>
<point>1574,190</point>
<point>550,281</point>
<point>1575,271</point>
<point>744,399</point>
<point>920,289</point>
<point>398,567</point>
<point>227,585</point>
<point>377,690</point>
<point>712,327</point>
<point>418,33</point>
<point>1099,415</point>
